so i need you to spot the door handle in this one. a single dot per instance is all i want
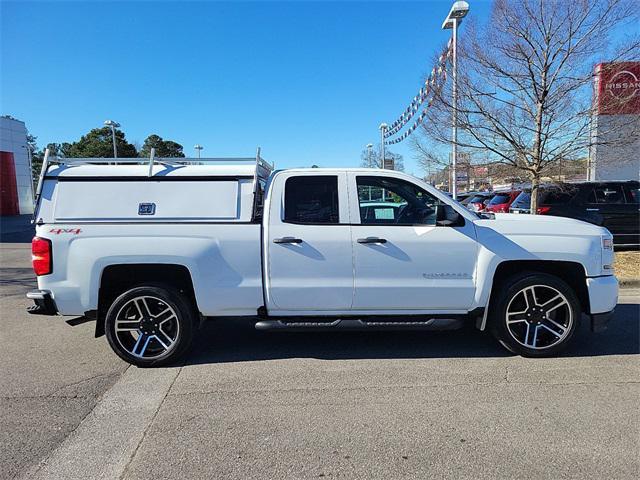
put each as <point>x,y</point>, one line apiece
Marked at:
<point>287,240</point>
<point>593,209</point>
<point>372,240</point>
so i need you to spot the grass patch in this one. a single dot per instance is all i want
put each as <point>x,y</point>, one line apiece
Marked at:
<point>627,265</point>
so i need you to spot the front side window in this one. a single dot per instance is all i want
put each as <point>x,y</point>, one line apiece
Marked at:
<point>522,201</point>
<point>311,199</point>
<point>391,201</point>
<point>606,194</point>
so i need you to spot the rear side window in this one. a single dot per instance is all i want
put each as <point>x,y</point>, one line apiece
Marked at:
<point>633,195</point>
<point>311,199</point>
<point>557,197</point>
<point>606,194</point>
<point>499,199</point>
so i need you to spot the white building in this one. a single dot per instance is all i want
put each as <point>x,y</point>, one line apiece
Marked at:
<point>16,187</point>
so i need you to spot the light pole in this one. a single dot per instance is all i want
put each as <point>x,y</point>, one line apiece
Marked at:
<point>383,128</point>
<point>198,148</point>
<point>369,155</point>
<point>113,125</point>
<point>457,12</point>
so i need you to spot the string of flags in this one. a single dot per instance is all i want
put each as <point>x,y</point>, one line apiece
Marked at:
<point>422,115</point>
<point>432,83</point>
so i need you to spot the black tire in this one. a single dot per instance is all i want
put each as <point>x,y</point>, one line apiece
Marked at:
<point>156,298</point>
<point>525,325</point>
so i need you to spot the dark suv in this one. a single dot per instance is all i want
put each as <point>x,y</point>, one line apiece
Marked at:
<point>614,205</point>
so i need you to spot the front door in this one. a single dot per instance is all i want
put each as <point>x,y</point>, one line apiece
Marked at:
<point>309,260</point>
<point>403,261</point>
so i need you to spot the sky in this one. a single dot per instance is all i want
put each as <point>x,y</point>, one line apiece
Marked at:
<point>308,82</point>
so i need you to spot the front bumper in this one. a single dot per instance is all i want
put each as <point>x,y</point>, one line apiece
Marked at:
<point>44,303</point>
<point>603,297</point>
<point>603,294</point>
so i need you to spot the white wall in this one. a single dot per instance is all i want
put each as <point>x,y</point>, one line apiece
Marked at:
<point>13,138</point>
<point>616,154</point>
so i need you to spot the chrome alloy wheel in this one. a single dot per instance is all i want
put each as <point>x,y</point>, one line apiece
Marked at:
<point>539,317</point>
<point>147,327</point>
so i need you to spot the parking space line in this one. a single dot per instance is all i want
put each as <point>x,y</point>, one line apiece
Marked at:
<point>106,440</point>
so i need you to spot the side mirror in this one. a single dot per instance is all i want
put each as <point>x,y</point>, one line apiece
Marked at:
<point>446,216</point>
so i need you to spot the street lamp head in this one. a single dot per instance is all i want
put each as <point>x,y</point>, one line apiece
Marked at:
<point>369,145</point>
<point>383,126</point>
<point>111,123</point>
<point>457,12</point>
<point>198,147</point>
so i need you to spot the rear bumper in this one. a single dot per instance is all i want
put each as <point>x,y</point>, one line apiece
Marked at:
<point>43,303</point>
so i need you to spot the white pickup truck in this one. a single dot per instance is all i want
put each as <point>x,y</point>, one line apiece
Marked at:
<point>149,250</point>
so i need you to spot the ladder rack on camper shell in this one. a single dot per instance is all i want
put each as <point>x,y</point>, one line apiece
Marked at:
<point>263,168</point>
<point>262,171</point>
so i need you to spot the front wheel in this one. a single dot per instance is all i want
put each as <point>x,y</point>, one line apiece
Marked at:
<point>150,325</point>
<point>536,315</point>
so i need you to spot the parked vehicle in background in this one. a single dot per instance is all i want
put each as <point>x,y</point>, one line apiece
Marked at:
<point>479,201</point>
<point>614,205</point>
<point>501,201</point>
<point>380,210</point>
<point>462,197</point>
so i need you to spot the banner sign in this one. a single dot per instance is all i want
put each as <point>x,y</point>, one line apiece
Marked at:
<point>617,88</point>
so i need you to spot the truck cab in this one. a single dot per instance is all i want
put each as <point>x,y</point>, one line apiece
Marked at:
<point>150,250</point>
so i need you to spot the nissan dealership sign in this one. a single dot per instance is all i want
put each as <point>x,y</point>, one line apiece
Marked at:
<point>618,88</point>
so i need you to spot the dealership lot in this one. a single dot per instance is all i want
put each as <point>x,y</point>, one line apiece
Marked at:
<point>342,405</point>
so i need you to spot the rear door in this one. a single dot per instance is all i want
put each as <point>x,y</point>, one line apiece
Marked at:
<point>607,202</point>
<point>307,244</point>
<point>402,260</point>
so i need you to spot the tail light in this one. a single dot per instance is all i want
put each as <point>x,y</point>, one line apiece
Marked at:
<point>543,210</point>
<point>41,257</point>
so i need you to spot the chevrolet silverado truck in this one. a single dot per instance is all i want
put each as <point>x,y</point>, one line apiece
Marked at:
<point>150,249</point>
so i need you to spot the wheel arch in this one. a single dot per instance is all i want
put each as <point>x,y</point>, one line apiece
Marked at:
<point>117,278</point>
<point>573,273</point>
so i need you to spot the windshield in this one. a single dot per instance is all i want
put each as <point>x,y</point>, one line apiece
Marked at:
<point>522,201</point>
<point>500,198</point>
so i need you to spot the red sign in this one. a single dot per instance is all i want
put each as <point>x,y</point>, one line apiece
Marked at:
<point>8,185</point>
<point>618,88</point>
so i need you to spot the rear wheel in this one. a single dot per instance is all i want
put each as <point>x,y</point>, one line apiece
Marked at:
<point>536,315</point>
<point>150,325</point>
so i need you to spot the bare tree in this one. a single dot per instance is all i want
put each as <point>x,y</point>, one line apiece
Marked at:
<point>370,158</point>
<point>524,81</point>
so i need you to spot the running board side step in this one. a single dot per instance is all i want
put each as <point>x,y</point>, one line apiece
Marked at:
<point>361,324</point>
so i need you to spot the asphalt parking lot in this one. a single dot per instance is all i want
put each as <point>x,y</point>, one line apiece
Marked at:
<point>344,405</point>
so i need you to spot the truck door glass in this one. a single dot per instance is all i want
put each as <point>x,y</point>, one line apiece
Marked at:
<point>391,201</point>
<point>311,199</point>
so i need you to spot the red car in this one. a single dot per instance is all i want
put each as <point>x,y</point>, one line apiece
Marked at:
<point>478,201</point>
<point>501,202</point>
